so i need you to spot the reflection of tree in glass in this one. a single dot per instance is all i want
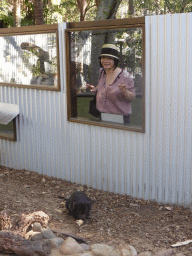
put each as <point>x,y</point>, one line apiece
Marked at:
<point>38,69</point>
<point>39,52</point>
<point>130,43</point>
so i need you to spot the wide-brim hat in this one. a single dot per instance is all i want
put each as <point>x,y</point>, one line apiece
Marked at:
<point>109,50</point>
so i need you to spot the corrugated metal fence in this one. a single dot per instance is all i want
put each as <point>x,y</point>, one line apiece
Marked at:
<point>152,165</point>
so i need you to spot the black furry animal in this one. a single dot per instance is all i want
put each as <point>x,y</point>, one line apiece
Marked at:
<point>79,205</point>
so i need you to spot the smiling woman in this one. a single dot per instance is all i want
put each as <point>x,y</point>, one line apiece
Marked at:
<point>115,89</point>
<point>106,58</point>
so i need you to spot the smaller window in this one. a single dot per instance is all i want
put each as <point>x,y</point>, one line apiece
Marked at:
<point>8,131</point>
<point>29,57</point>
<point>8,114</point>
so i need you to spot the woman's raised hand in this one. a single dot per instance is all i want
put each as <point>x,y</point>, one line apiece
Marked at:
<point>91,87</point>
<point>128,95</point>
<point>122,87</point>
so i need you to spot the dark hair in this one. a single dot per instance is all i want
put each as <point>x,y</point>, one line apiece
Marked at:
<point>116,62</point>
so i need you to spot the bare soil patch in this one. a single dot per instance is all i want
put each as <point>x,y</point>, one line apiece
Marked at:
<point>146,225</point>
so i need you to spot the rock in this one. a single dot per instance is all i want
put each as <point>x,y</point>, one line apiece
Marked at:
<point>127,250</point>
<point>87,254</point>
<point>36,236</point>
<point>70,247</point>
<point>79,222</point>
<point>36,227</point>
<point>104,250</point>
<point>85,247</point>
<point>145,254</point>
<point>47,233</point>
<point>56,242</point>
<point>2,254</point>
<point>165,252</point>
<point>55,252</point>
<point>179,254</point>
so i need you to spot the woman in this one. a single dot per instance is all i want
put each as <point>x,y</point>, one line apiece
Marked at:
<point>115,89</point>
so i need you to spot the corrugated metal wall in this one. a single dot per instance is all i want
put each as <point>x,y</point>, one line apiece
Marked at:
<point>169,85</point>
<point>154,165</point>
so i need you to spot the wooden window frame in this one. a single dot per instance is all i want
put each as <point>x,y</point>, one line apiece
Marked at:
<point>72,95</point>
<point>38,29</point>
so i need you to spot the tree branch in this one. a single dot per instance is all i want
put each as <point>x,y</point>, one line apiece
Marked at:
<point>185,2</point>
<point>170,6</point>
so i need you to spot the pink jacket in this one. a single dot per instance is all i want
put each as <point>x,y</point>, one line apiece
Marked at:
<point>110,99</point>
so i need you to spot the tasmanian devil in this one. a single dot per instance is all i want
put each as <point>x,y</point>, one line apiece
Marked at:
<point>79,205</point>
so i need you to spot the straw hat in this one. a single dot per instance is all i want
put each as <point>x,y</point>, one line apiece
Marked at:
<point>110,50</point>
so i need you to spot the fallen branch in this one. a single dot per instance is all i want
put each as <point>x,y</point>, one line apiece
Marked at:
<point>65,233</point>
<point>14,243</point>
<point>181,243</point>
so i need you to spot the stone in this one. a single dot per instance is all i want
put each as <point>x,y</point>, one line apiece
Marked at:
<point>55,252</point>
<point>86,254</point>
<point>5,254</point>
<point>36,227</point>
<point>145,254</point>
<point>127,250</point>
<point>179,254</point>
<point>47,233</point>
<point>85,247</point>
<point>56,242</point>
<point>70,247</point>
<point>36,236</point>
<point>104,250</point>
<point>165,252</point>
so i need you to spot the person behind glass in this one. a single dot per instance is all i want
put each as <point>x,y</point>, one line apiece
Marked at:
<point>115,89</point>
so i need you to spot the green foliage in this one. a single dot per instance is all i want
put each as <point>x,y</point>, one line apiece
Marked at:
<point>27,14</point>
<point>130,40</point>
<point>67,10</point>
<point>188,8</point>
<point>71,12</point>
<point>179,6</point>
<point>152,7</point>
<point>5,14</point>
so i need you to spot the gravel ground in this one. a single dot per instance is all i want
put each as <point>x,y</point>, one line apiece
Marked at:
<point>115,218</point>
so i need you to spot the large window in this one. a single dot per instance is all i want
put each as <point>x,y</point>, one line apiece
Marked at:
<point>29,57</point>
<point>84,43</point>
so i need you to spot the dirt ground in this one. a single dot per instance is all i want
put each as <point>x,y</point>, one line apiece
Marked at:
<point>146,225</point>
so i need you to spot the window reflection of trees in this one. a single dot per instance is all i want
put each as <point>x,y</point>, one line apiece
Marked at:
<point>29,59</point>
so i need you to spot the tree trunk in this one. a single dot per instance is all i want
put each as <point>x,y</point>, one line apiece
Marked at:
<point>38,10</point>
<point>82,5</point>
<point>97,2</point>
<point>17,13</point>
<point>107,9</point>
<point>131,8</point>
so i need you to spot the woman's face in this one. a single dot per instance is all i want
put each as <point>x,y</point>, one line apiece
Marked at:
<point>107,62</point>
